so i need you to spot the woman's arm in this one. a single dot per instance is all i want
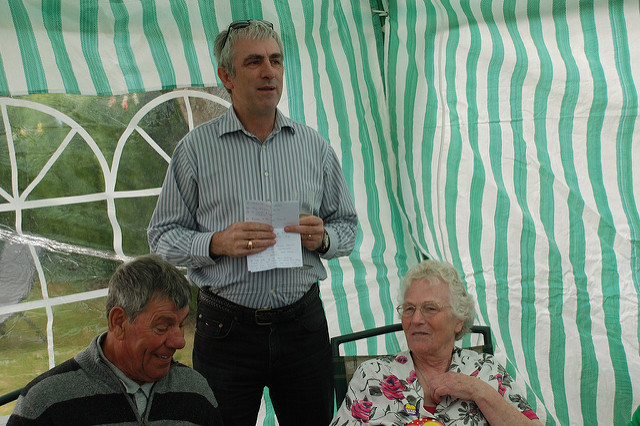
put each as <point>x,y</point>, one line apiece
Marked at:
<point>493,405</point>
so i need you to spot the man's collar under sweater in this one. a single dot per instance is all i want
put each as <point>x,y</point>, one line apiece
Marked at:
<point>131,386</point>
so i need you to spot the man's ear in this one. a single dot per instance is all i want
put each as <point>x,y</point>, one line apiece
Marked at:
<point>225,77</point>
<point>117,320</point>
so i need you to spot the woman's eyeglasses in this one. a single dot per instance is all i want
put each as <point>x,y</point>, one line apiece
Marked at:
<point>236,25</point>
<point>427,309</point>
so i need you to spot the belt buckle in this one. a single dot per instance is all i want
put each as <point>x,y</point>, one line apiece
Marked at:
<point>256,314</point>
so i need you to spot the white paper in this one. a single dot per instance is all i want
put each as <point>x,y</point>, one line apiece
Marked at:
<point>287,252</point>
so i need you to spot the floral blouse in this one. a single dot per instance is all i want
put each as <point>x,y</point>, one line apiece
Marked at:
<point>385,391</point>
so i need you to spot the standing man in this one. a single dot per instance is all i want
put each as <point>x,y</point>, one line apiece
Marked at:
<point>127,375</point>
<point>268,328</point>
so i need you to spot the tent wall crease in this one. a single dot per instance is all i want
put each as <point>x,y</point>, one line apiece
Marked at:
<point>520,122</point>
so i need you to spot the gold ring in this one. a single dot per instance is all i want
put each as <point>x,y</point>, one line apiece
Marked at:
<point>250,245</point>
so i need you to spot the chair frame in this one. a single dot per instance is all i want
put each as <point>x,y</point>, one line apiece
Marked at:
<point>10,397</point>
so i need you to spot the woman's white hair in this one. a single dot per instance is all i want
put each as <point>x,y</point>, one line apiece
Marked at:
<point>462,304</point>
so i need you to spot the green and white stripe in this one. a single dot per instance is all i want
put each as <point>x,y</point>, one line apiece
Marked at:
<point>533,149</point>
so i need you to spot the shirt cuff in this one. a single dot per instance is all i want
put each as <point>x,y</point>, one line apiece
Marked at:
<point>200,247</point>
<point>333,247</point>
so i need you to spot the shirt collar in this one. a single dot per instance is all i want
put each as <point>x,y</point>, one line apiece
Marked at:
<point>230,123</point>
<point>130,386</point>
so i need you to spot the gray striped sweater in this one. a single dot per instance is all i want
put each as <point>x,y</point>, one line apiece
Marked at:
<point>84,391</point>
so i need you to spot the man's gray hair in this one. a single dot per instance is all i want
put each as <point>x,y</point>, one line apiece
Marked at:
<point>462,304</point>
<point>144,278</point>
<point>224,42</point>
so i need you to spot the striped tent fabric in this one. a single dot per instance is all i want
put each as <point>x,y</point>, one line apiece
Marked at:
<point>499,136</point>
<point>521,120</point>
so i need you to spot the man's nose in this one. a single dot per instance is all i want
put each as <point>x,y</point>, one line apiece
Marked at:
<point>175,339</point>
<point>268,70</point>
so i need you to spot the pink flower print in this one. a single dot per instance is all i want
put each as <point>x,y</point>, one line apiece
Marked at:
<point>412,377</point>
<point>402,359</point>
<point>501,389</point>
<point>360,410</point>
<point>392,388</point>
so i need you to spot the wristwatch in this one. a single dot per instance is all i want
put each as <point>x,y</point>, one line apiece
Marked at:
<point>325,244</point>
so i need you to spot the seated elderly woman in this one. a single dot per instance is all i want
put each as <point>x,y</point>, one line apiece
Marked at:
<point>434,382</point>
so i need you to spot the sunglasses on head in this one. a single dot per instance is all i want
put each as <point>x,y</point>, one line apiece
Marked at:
<point>236,25</point>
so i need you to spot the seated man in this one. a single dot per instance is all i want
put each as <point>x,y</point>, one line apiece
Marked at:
<point>127,375</point>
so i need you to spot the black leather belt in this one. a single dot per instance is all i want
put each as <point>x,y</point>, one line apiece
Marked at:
<point>265,316</point>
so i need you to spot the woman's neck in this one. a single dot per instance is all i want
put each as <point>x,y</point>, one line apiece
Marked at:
<point>427,368</point>
<point>432,364</point>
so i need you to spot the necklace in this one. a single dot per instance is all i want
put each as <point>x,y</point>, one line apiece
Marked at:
<point>424,379</point>
<point>425,388</point>
<point>428,420</point>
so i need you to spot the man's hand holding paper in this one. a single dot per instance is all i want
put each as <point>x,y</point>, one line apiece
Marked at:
<point>242,239</point>
<point>287,250</point>
<point>311,230</point>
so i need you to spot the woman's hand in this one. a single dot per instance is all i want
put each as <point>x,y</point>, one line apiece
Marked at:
<point>458,386</point>
<point>494,407</point>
